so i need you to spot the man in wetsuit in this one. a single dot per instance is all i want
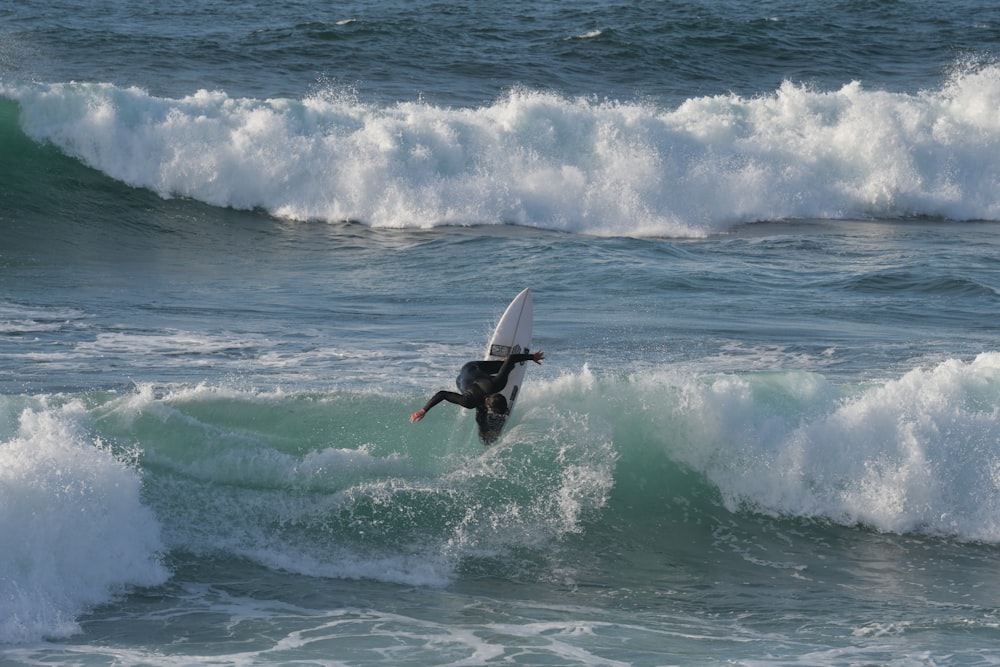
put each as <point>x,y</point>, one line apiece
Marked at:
<point>480,383</point>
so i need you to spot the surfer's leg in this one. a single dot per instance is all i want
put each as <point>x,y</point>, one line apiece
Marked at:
<point>469,373</point>
<point>475,370</point>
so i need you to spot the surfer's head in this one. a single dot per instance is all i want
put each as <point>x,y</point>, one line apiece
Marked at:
<point>496,404</point>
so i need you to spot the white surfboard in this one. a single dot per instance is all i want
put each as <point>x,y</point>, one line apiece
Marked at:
<point>512,336</point>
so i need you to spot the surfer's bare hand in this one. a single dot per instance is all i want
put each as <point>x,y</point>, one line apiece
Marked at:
<point>538,356</point>
<point>417,416</point>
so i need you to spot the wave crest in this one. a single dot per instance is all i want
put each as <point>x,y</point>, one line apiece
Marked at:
<point>533,158</point>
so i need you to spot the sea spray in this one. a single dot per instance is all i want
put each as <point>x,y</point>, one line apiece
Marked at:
<point>322,485</point>
<point>76,531</point>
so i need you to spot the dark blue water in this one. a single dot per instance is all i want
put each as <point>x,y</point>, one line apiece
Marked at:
<point>472,53</point>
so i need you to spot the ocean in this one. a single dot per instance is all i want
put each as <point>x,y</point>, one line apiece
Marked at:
<point>243,241</point>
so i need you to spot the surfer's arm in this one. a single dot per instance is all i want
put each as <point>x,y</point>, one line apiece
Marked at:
<point>536,356</point>
<point>499,381</point>
<point>520,358</point>
<point>530,356</point>
<point>450,396</point>
<point>494,366</point>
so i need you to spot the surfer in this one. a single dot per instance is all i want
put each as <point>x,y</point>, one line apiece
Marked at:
<point>480,383</point>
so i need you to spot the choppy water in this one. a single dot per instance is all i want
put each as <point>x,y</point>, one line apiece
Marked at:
<point>242,243</point>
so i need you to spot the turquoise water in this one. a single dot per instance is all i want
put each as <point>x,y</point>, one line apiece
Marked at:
<point>243,243</point>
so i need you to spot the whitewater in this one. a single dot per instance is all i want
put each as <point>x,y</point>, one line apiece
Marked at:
<point>538,159</point>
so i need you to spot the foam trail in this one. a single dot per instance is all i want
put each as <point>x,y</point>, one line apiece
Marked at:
<point>75,530</point>
<point>532,158</point>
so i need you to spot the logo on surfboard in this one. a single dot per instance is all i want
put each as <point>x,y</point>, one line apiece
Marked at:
<point>504,350</point>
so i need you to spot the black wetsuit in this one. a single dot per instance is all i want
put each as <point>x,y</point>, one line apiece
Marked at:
<point>477,380</point>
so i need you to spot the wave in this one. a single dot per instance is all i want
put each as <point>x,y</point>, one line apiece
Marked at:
<point>539,159</point>
<point>341,485</point>
<point>76,531</point>
<point>908,455</point>
<point>895,280</point>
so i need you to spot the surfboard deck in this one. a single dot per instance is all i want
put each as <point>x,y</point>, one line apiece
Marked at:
<point>511,336</point>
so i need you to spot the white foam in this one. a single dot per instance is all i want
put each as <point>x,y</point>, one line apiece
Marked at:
<point>590,34</point>
<point>16,319</point>
<point>913,454</point>
<point>532,158</point>
<point>76,532</point>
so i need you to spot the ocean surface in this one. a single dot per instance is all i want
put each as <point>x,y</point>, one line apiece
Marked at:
<point>240,242</point>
